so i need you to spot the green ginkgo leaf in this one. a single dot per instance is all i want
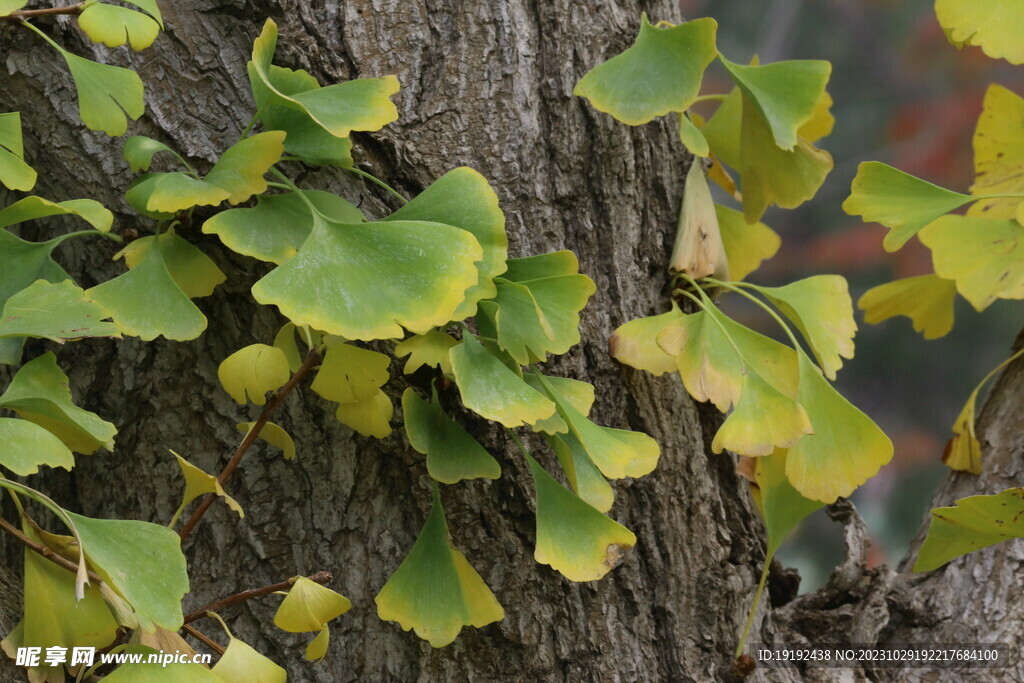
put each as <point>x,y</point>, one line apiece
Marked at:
<point>993,25</point>
<point>660,73</point>
<point>984,256</point>
<point>926,299</point>
<point>369,416</point>
<point>278,225</point>
<point>821,308</point>
<point>786,94</point>
<point>115,26</point>
<point>999,154</point>
<point>26,446</point>
<point>308,607</point>
<point>251,372</point>
<point>273,434</point>
<point>107,95</point>
<point>846,448</point>
<point>54,311</point>
<point>430,349</point>
<point>39,393</point>
<point>692,138</point>
<point>32,208</point>
<point>722,130</point>
<point>161,195</point>
<point>139,152</point>
<point>350,373</point>
<point>199,483</point>
<point>974,523</point>
<point>435,591</point>
<point>746,244</point>
<point>15,174</point>
<point>492,390</point>
<point>8,6</point>
<point>584,477</point>
<point>580,395</point>
<point>192,270</point>
<point>636,343</point>
<point>763,420</point>
<point>573,537</point>
<point>781,505</point>
<point>452,454</point>
<point>152,578</point>
<point>463,198</point>
<point>899,201</point>
<point>361,105</point>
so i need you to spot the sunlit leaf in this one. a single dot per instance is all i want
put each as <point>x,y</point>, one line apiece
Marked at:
<point>821,123</point>
<point>199,483</point>
<point>698,250</point>
<point>107,94</point>
<point>692,138</point>
<point>15,174</point>
<point>308,607</point>
<point>963,452</point>
<point>273,434</point>
<point>435,591</point>
<point>430,349</point>
<point>926,299</point>
<point>31,208</point>
<point>162,195</point>
<point>636,343</point>
<point>140,150</point>
<point>54,311</point>
<point>8,6</point>
<point>974,523</point>
<point>763,419</point>
<point>452,454</point>
<point>39,393</point>
<point>580,395</point>
<point>846,448</point>
<point>115,26</point>
<point>240,662</point>
<point>249,373</point>
<point>781,505</point>
<point>899,201</point>
<point>999,154</point>
<point>746,244</point>
<point>193,271</point>
<point>984,256</point>
<point>993,25</point>
<point>660,73</point>
<point>584,477</point>
<point>350,373</point>
<point>369,416</point>
<point>26,446</point>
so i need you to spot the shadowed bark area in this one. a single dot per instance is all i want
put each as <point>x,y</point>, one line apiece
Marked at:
<point>487,85</point>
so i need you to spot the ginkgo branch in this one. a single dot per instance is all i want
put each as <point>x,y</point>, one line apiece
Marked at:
<point>237,598</point>
<point>44,550</point>
<point>45,12</point>
<point>203,638</point>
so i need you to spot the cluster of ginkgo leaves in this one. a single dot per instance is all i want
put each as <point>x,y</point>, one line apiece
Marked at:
<point>978,254</point>
<point>434,277</point>
<point>804,445</point>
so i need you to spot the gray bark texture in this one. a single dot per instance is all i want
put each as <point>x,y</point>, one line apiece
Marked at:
<point>489,85</point>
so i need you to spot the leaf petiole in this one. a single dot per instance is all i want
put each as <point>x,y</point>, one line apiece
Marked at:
<point>374,179</point>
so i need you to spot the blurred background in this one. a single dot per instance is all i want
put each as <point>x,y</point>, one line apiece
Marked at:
<point>905,96</point>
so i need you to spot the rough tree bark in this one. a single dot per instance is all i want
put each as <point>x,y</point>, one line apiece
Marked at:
<point>487,85</point>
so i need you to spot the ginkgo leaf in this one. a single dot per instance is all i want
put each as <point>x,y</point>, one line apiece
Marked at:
<point>192,270</point>
<point>199,483</point>
<point>746,244</point>
<point>435,591</point>
<point>580,396</point>
<point>165,310</point>
<point>983,256</point>
<point>899,201</point>
<point>463,198</point>
<point>150,7</point>
<point>430,349</point>
<point>32,208</point>
<point>846,448</point>
<point>162,195</point>
<point>153,577</point>
<point>782,507</point>
<point>278,225</point>
<point>452,454</point>
<point>993,25</point>
<point>974,523</point>
<point>786,94</point>
<point>926,299</point>
<point>285,340</point>
<point>691,137</point>
<point>369,417</point>
<point>273,434</point>
<point>240,662</point>
<point>8,6</point>
<point>308,607</point>
<point>27,446</point>
<point>573,537</point>
<point>763,420</point>
<point>363,104</point>
<point>251,372</point>
<point>722,130</point>
<point>114,26</point>
<point>698,251</point>
<point>963,452</point>
<point>55,311</point>
<point>821,122</point>
<point>636,343</point>
<point>39,393</point>
<point>999,154</point>
<point>821,308</point>
<point>490,389</point>
<point>350,373</point>
<point>139,152</point>
<point>660,73</point>
<point>15,174</point>
<point>584,477</point>
<point>107,94</point>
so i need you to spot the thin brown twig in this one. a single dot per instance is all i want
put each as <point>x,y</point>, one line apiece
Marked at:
<point>45,12</point>
<point>237,598</point>
<point>43,550</point>
<point>203,638</point>
<point>311,360</point>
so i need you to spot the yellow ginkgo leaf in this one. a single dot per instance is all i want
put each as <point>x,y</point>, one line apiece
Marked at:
<point>285,340</point>
<point>999,154</point>
<point>764,419</point>
<point>746,244</point>
<point>308,607</point>
<point>963,452</point>
<point>369,417</point>
<point>707,363</point>
<point>199,483</point>
<point>926,299</point>
<point>430,349</point>
<point>274,435</point>
<point>992,25</point>
<point>580,396</point>
<point>636,343</point>
<point>350,374</point>
<point>251,372</point>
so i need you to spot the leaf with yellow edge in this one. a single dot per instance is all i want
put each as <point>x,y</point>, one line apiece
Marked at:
<point>993,25</point>
<point>846,449</point>
<point>984,256</point>
<point>490,389</point>
<point>15,174</point>
<point>55,311</point>
<point>999,154</point>
<point>193,271</point>
<point>974,523</point>
<point>580,396</point>
<point>660,73</point>
<point>926,299</point>
<point>199,483</point>
<point>249,373</point>
<point>963,452</point>
<point>435,591</point>
<point>308,607</point>
<point>821,308</point>
<point>107,94</point>
<point>273,434</point>
<point>452,454</point>
<point>899,201</point>
<point>430,349</point>
<point>764,419</point>
<point>114,26</point>
<point>573,537</point>
<point>746,244</point>
<point>636,343</point>
<point>369,417</point>
<point>349,373</point>
<point>781,505</point>
<point>691,137</point>
<point>240,662</point>
<point>32,208</point>
<point>584,477</point>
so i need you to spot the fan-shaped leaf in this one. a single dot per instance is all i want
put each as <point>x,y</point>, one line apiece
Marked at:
<point>781,505</point>
<point>369,417</point>
<point>8,6</point>
<point>273,434</point>
<point>106,94</point>
<point>139,152</point>
<point>15,174</point>
<point>199,483</point>
<point>114,26</point>
<point>308,607</point>
<point>746,244</point>
<point>636,343</point>
<point>999,154</point>
<point>27,446</point>
<point>349,373</point>
<point>240,662</point>
<point>54,311</point>
<point>926,299</point>
<point>993,25</point>
<point>764,419</point>
<point>584,477</point>
<point>580,396</point>
<point>974,523</point>
<point>32,208</point>
<point>249,373</point>
<point>452,454</point>
<point>430,349</point>
<point>192,270</point>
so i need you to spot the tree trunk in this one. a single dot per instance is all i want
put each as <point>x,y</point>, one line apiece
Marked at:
<point>488,85</point>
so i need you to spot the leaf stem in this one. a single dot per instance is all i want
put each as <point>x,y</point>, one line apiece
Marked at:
<point>374,179</point>
<point>45,37</point>
<point>737,287</point>
<point>21,15</point>
<point>82,233</point>
<point>237,598</point>
<point>43,550</point>
<point>757,601</point>
<point>249,126</point>
<point>203,638</point>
